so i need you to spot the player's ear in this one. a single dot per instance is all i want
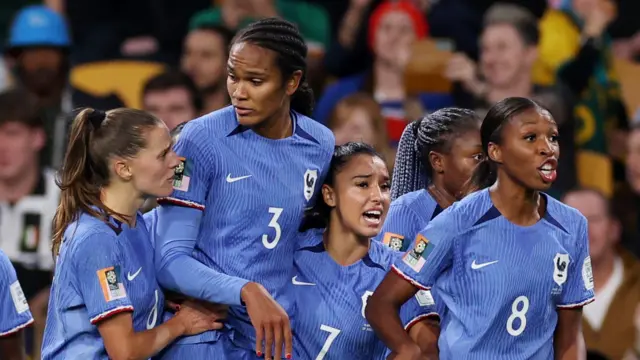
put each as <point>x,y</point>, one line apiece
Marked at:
<point>437,162</point>
<point>495,153</point>
<point>122,169</point>
<point>328,195</point>
<point>293,82</point>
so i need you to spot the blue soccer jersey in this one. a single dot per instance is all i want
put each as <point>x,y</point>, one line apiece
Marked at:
<point>250,193</point>
<point>407,215</point>
<point>331,300</point>
<point>501,284</point>
<point>101,271</point>
<point>14,309</point>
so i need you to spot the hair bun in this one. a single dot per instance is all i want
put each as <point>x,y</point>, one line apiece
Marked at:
<point>96,117</point>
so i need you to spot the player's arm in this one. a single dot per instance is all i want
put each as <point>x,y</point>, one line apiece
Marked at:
<point>178,223</point>
<point>422,322</point>
<point>577,292</point>
<point>98,265</point>
<point>14,313</point>
<point>408,275</point>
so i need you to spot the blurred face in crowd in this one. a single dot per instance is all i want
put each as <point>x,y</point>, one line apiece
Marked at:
<point>173,106</point>
<point>360,196</point>
<point>40,69</point>
<point>633,160</point>
<point>354,125</point>
<point>604,231</point>
<point>395,34</point>
<point>204,59</point>
<point>20,146</point>
<point>504,56</point>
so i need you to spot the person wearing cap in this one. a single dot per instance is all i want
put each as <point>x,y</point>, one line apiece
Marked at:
<point>37,54</point>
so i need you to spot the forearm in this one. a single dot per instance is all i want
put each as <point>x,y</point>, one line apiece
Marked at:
<point>145,344</point>
<point>383,317</point>
<point>12,346</point>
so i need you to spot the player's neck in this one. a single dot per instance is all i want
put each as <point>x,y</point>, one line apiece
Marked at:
<point>12,190</point>
<point>122,199</point>
<point>603,268</point>
<point>517,204</point>
<point>440,194</point>
<point>344,247</point>
<point>279,126</point>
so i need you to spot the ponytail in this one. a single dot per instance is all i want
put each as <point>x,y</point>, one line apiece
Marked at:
<point>409,172</point>
<point>303,100</point>
<point>317,217</point>
<point>484,175</point>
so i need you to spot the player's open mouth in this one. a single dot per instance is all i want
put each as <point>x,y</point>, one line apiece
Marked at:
<point>243,111</point>
<point>373,216</point>
<point>548,170</point>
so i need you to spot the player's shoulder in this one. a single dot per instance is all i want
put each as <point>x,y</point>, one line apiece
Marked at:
<point>215,124</point>
<point>5,263</point>
<point>567,218</point>
<point>88,232</point>
<point>382,254</point>
<point>315,131</point>
<point>420,201</point>
<point>309,239</point>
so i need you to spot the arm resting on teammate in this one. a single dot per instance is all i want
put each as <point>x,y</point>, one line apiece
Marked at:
<point>12,346</point>
<point>425,333</point>
<point>177,270</point>
<point>382,313</point>
<point>568,341</point>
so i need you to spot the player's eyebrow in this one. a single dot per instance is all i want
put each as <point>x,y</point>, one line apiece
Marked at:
<point>363,176</point>
<point>248,72</point>
<point>166,150</point>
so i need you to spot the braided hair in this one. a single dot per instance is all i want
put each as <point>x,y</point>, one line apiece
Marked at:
<point>285,40</point>
<point>433,132</point>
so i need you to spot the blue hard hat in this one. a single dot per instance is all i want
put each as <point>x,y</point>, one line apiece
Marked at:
<point>38,26</point>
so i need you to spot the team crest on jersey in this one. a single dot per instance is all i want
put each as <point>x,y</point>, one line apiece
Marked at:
<point>111,283</point>
<point>416,257</point>
<point>587,273</point>
<point>182,175</point>
<point>310,179</point>
<point>560,267</point>
<point>394,241</point>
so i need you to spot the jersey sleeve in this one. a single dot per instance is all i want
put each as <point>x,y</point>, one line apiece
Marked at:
<point>192,177</point>
<point>578,289</point>
<point>98,264</point>
<point>419,307</point>
<point>400,227</point>
<point>431,253</point>
<point>14,309</point>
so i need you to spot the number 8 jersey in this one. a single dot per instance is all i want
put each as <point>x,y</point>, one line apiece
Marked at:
<point>501,284</point>
<point>252,192</point>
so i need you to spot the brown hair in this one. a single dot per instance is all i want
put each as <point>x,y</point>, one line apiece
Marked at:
<point>17,105</point>
<point>341,114</point>
<point>95,138</point>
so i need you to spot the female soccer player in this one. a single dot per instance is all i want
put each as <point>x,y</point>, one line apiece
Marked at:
<point>14,312</point>
<point>227,233</point>
<point>105,301</point>
<point>435,158</point>
<point>338,266</point>
<point>510,263</point>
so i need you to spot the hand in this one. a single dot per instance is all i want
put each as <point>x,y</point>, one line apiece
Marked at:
<point>196,318</point>
<point>599,17</point>
<point>411,352</point>
<point>270,321</point>
<point>462,69</point>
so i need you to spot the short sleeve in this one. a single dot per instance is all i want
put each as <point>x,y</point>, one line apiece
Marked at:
<point>578,289</point>
<point>400,227</point>
<point>192,177</point>
<point>430,254</point>
<point>14,309</point>
<point>98,264</point>
<point>419,307</point>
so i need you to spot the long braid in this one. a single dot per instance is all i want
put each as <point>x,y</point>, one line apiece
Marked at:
<point>284,38</point>
<point>434,132</point>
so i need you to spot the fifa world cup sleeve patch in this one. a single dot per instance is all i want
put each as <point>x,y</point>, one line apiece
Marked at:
<point>111,283</point>
<point>182,175</point>
<point>587,273</point>
<point>19,300</point>
<point>416,257</point>
<point>394,241</point>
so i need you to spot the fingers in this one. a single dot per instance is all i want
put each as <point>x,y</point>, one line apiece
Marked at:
<point>259,339</point>
<point>268,341</point>
<point>173,306</point>
<point>288,340</point>
<point>217,325</point>
<point>278,340</point>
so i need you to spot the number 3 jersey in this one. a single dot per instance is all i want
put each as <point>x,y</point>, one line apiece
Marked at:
<point>331,300</point>
<point>101,271</point>
<point>501,284</point>
<point>252,192</point>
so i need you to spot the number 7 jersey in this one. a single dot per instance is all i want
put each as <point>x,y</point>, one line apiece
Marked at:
<point>253,192</point>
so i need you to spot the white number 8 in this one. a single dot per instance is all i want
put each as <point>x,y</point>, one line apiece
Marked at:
<point>276,227</point>
<point>523,302</point>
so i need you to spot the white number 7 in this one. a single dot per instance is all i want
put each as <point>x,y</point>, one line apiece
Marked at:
<point>276,227</point>
<point>333,334</point>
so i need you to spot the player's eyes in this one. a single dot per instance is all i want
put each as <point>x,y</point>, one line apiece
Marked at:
<point>554,138</point>
<point>530,137</point>
<point>478,157</point>
<point>385,186</point>
<point>232,77</point>
<point>362,184</point>
<point>256,82</point>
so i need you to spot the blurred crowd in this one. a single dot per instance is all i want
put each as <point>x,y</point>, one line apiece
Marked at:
<point>374,66</point>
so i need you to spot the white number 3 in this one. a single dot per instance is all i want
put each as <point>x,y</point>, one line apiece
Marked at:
<point>276,227</point>
<point>521,302</point>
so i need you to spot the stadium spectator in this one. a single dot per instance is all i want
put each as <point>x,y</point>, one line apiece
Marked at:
<point>172,97</point>
<point>28,200</point>
<point>38,53</point>
<point>608,323</point>
<point>626,202</point>
<point>204,59</point>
